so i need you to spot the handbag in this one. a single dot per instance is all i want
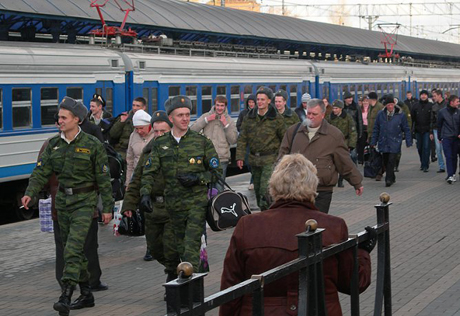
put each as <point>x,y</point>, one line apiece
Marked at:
<point>374,162</point>
<point>132,226</point>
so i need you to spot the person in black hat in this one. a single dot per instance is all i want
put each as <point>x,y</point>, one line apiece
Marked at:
<point>421,123</point>
<point>97,110</point>
<point>354,110</point>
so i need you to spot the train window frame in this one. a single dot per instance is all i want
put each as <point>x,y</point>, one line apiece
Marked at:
<point>193,96</point>
<point>293,95</point>
<point>173,94</point>
<point>206,98</point>
<point>154,100</point>
<point>219,90</point>
<point>109,100</point>
<point>22,104</point>
<point>71,96</point>
<point>50,121</point>
<point>234,99</point>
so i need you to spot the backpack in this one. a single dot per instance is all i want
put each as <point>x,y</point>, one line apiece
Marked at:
<point>226,208</point>
<point>117,169</point>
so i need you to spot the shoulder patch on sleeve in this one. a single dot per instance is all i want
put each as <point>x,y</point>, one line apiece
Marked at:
<point>148,163</point>
<point>214,162</point>
<point>40,163</point>
<point>105,169</point>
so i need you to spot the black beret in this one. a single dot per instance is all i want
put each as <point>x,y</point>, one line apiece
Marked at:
<point>160,116</point>
<point>76,107</point>
<point>267,91</point>
<point>373,96</point>
<point>100,98</point>
<point>179,101</point>
<point>389,98</point>
<point>282,93</point>
<point>347,95</point>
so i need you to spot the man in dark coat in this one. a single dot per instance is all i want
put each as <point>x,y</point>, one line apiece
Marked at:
<point>439,104</point>
<point>301,110</point>
<point>250,103</point>
<point>421,122</point>
<point>389,129</point>
<point>410,100</point>
<point>354,110</point>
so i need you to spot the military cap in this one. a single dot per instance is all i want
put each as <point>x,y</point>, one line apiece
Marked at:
<point>424,92</point>
<point>347,95</point>
<point>76,107</point>
<point>100,98</point>
<point>267,91</point>
<point>389,98</point>
<point>306,97</point>
<point>338,104</point>
<point>282,93</point>
<point>373,96</point>
<point>141,118</point>
<point>179,101</point>
<point>160,116</point>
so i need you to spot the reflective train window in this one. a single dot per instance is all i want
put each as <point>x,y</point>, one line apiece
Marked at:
<point>1,109</point>
<point>283,87</point>
<point>49,100</point>
<point>273,87</point>
<point>22,107</point>
<point>206,99</point>
<point>190,91</point>
<point>326,92</point>
<point>293,95</point>
<point>109,100</point>
<point>247,92</point>
<point>222,90</point>
<point>154,99</point>
<point>75,93</point>
<point>173,91</point>
<point>235,99</point>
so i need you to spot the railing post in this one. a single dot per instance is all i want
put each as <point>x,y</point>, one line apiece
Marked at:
<point>383,287</point>
<point>311,283</point>
<point>258,297</point>
<point>185,291</point>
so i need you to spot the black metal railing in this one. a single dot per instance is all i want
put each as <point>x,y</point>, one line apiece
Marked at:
<point>185,295</point>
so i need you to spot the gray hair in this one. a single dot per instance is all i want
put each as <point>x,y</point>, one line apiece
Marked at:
<point>317,102</point>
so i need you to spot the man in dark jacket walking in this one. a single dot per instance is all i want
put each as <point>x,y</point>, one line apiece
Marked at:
<point>410,100</point>
<point>354,110</point>
<point>439,104</point>
<point>448,123</point>
<point>421,122</point>
<point>389,129</point>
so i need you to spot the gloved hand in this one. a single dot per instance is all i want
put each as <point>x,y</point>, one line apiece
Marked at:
<point>188,179</point>
<point>369,244</point>
<point>146,204</point>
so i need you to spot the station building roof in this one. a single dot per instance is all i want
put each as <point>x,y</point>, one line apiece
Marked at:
<point>198,22</point>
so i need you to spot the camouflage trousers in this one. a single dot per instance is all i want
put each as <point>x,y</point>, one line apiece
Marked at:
<point>160,241</point>
<point>261,175</point>
<point>189,226</point>
<point>74,227</point>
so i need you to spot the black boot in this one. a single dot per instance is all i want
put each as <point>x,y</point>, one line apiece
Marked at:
<point>340,182</point>
<point>63,305</point>
<point>86,298</point>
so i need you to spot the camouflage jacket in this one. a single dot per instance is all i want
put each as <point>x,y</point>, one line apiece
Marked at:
<point>371,117</point>
<point>105,115</point>
<point>132,195</point>
<point>345,123</point>
<point>80,164</point>
<point>263,135</point>
<point>120,133</point>
<point>193,154</point>
<point>290,117</point>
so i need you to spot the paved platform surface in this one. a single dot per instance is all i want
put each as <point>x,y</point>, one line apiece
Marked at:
<point>425,221</point>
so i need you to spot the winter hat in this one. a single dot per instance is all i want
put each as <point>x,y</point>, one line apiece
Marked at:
<point>141,118</point>
<point>306,97</point>
<point>160,116</point>
<point>179,101</point>
<point>282,93</point>
<point>76,107</point>
<point>347,95</point>
<point>373,96</point>
<point>267,91</point>
<point>388,99</point>
<point>424,92</point>
<point>337,104</point>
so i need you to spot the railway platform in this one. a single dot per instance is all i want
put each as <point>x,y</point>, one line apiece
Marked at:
<point>425,256</point>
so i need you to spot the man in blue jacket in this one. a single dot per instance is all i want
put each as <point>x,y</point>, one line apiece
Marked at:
<point>389,129</point>
<point>449,134</point>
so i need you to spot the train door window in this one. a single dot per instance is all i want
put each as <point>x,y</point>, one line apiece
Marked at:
<point>221,90</point>
<point>173,91</point>
<point>273,87</point>
<point>326,91</point>
<point>293,95</point>
<point>190,91</point>
<point>49,100</point>
<point>22,107</point>
<point>1,109</point>
<point>283,87</point>
<point>234,99</point>
<point>75,93</point>
<point>247,92</point>
<point>206,99</point>
<point>109,100</point>
<point>145,95</point>
<point>154,99</point>
<point>305,88</point>
<point>99,91</point>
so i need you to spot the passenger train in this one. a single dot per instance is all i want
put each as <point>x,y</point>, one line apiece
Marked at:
<point>34,77</point>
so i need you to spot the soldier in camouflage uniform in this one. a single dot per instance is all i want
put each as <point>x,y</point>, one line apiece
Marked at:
<point>158,228</point>
<point>185,159</point>
<point>80,163</point>
<point>123,127</point>
<point>262,130</point>
<point>345,123</point>
<point>289,116</point>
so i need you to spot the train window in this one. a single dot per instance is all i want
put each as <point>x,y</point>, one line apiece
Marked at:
<point>1,109</point>
<point>247,90</point>
<point>259,86</point>
<point>190,91</point>
<point>174,90</point>
<point>360,89</point>
<point>221,90</point>
<point>273,87</point>
<point>283,87</point>
<point>293,95</point>
<point>305,89</point>
<point>235,99</point>
<point>206,99</point>
<point>344,88</point>
<point>326,91</point>
<point>366,89</point>
<point>379,89</point>
<point>109,100</point>
<point>154,99</point>
<point>99,91</point>
<point>22,107</point>
<point>75,93</point>
<point>49,100</point>
<point>352,89</point>
<point>145,95</point>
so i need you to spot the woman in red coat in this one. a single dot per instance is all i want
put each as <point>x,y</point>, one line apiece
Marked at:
<point>268,239</point>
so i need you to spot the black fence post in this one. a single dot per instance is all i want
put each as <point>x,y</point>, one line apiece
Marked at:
<point>311,284</point>
<point>383,286</point>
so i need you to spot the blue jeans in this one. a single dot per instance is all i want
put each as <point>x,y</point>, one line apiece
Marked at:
<point>450,146</point>
<point>423,147</point>
<point>439,151</point>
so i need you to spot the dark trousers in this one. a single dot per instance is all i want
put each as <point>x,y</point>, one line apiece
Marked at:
<point>423,147</point>
<point>90,250</point>
<point>362,142</point>
<point>389,160</point>
<point>451,147</point>
<point>323,201</point>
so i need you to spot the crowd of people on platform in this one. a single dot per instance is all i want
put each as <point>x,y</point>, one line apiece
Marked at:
<point>296,158</point>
